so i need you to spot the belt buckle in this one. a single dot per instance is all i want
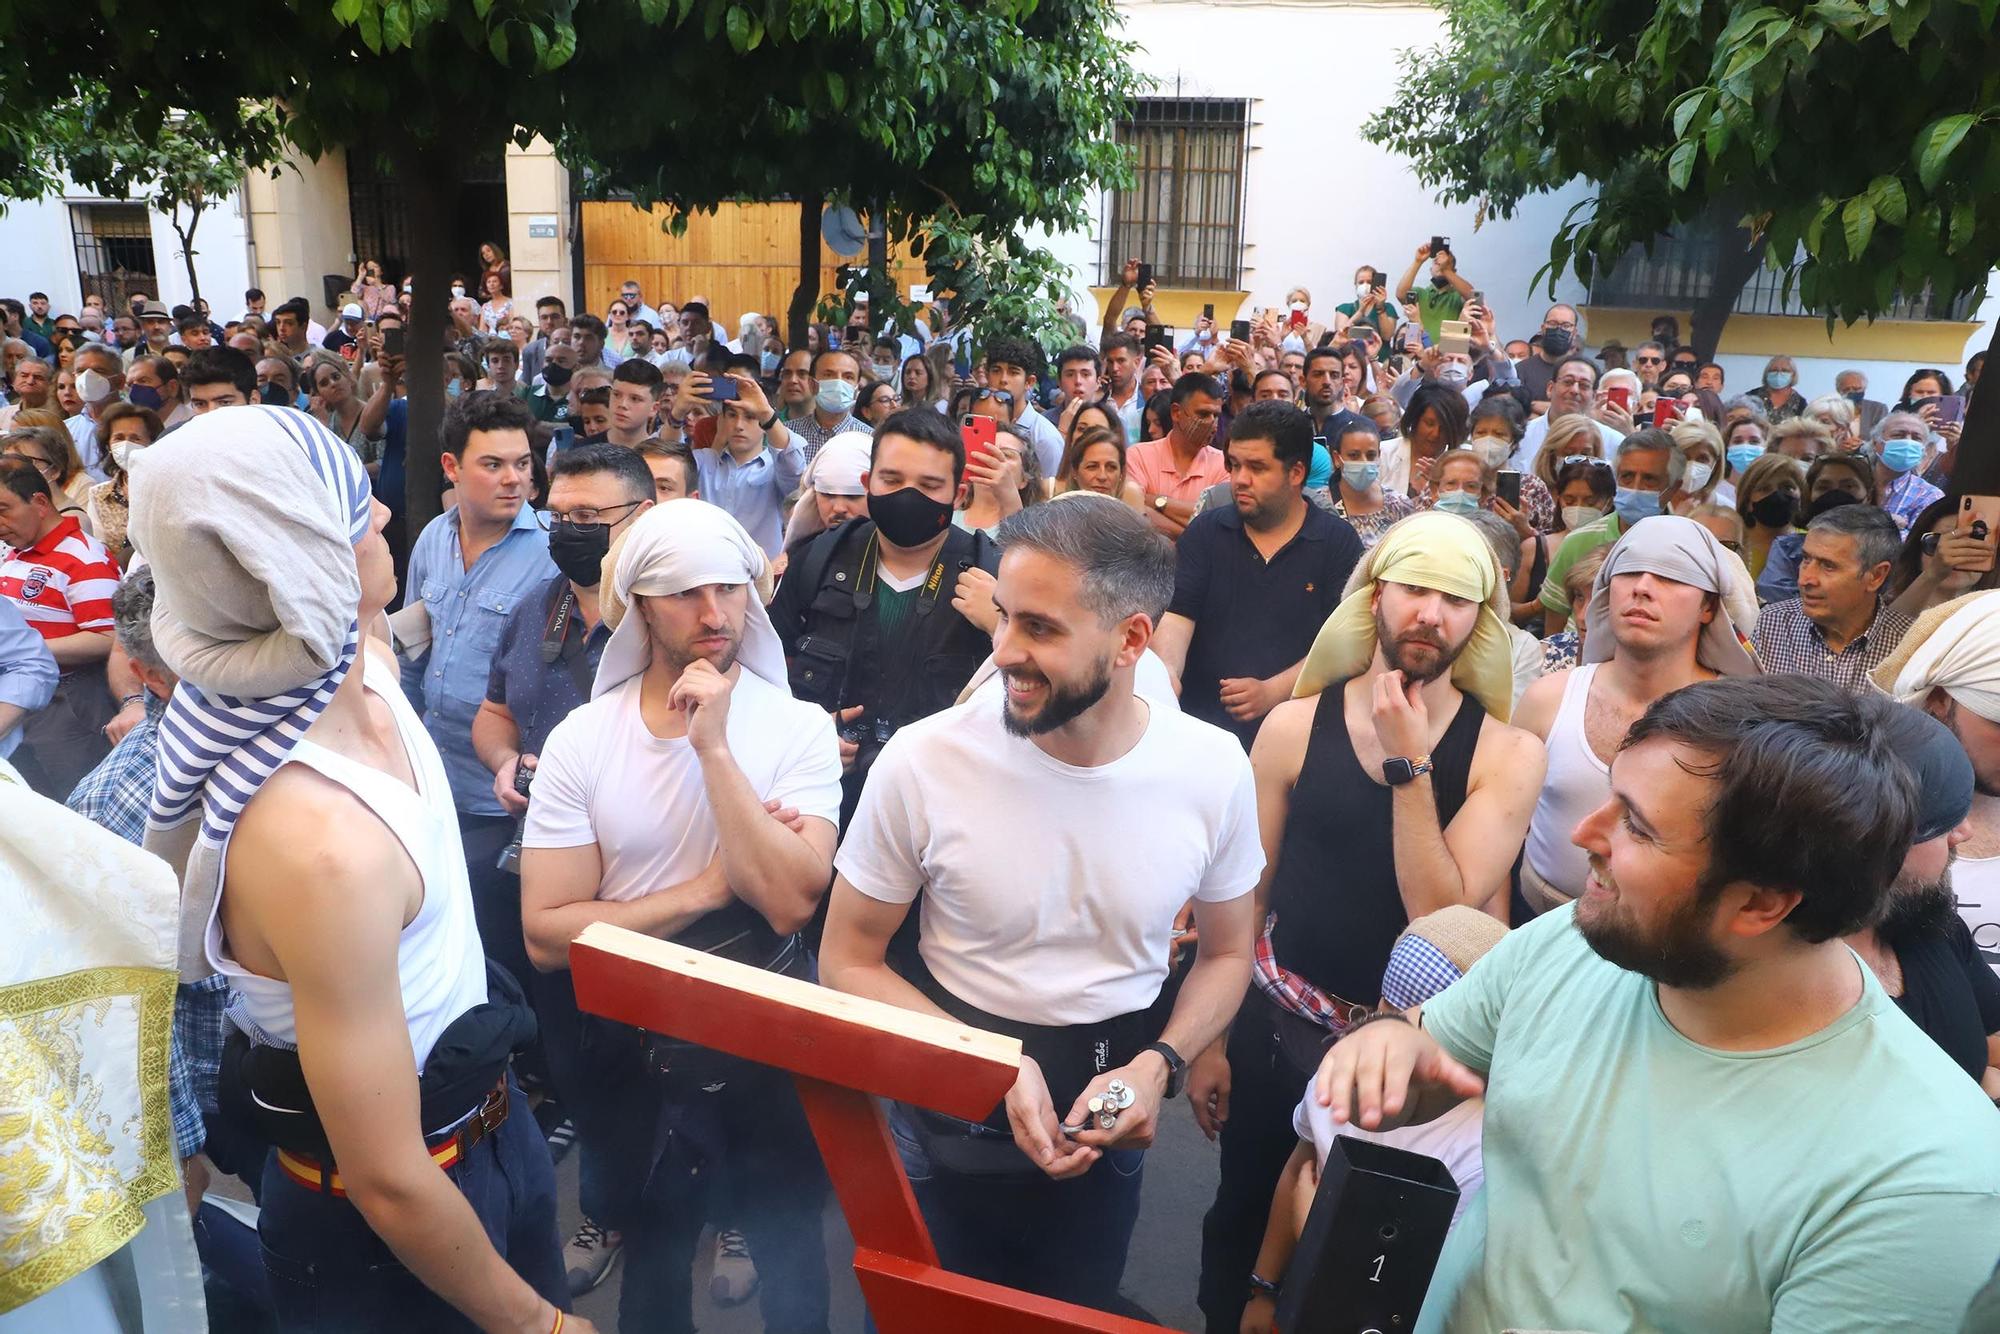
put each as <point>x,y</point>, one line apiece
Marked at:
<point>493,1111</point>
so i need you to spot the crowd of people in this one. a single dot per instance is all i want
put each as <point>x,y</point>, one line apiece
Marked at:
<point>1357,720</point>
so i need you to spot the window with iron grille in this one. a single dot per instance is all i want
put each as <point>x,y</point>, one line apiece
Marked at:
<point>114,251</point>
<point>1183,212</point>
<point>1680,272</point>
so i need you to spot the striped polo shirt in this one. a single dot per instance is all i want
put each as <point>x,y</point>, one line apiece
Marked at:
<point>63,583</point>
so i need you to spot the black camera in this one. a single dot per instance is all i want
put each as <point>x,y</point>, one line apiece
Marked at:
<point>862,730</point>
<point>510,856</point>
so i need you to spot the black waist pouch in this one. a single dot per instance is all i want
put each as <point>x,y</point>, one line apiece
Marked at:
<point>265,1087</point>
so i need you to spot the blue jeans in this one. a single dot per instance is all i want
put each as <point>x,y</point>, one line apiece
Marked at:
<point>1060,1239</point>
<point>330,1273</point>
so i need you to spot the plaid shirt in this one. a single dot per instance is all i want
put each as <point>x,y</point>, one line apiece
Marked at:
<point>1906,498</point>
<point>119,791</point>
<point>809,433</point>
<point>194,1059</point>
<point>1787,641</point>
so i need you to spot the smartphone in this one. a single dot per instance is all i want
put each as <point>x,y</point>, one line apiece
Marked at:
<point>1976,510</point>
<point>1145,276</point>
<point>1440,245</point>
<point>1239,331</point>
<point>1507,486</point>
<point>979,434</point>
<point>1159,335</point>
<point>1208,312</point>
<point>1620,397</point>
<point>1298,319</point>
<point>721,389</point>
<point>1665,412</point>
<point>392,341</point>
<point>1951,408</point>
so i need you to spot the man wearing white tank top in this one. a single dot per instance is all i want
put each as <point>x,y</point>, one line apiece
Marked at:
<point>331,883</point>
<point>1658,620</point>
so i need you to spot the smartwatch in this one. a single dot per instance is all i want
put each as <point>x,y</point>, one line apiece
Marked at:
<point>769,421</point>
<point>1397,770</point>
<point>1176,1067</point>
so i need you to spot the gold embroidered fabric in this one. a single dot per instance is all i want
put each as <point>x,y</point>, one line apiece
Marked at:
<point>86,1015</point>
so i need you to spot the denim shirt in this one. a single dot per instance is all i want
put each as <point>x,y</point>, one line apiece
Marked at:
<point>468,609</point>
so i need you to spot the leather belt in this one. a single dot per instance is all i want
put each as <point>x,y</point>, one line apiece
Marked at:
<point>315,1175</point>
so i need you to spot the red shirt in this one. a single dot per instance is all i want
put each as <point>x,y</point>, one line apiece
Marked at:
<point>63,583</point>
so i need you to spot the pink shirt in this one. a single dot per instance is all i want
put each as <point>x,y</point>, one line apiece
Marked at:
<point>1152,466</point>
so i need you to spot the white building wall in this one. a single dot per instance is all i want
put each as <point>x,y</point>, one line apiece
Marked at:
<point>38,253</point>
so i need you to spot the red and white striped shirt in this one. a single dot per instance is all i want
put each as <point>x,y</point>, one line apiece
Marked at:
<point>63,583</point>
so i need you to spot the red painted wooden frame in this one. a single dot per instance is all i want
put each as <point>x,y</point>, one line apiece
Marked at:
<point>845,1052</point>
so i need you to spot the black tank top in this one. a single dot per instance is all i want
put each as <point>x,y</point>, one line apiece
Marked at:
<point>1339,911</point>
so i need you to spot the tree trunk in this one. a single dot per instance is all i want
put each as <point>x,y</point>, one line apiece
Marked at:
<point>187,253</point>
<point>803,296</point>
<point>1976,469</point>
<point>429,179</point>
<point>1736,261</point>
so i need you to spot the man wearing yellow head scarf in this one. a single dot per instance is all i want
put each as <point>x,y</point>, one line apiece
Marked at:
<point>1402,791</point>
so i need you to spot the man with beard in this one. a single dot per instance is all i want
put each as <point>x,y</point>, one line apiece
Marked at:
<point>1949,666</point>
<point>1253,581</point>
<point>1921,951</point>
<point>1054,832</point>
<point>1662,613</point>
<point>1391,788</point>
<point>692,799</point>
<point>885,618</point>
<point>1702,1111</point>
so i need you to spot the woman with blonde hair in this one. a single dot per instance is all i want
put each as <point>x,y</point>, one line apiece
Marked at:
<point>1800,438</point>
<point>1771,498</point>
<point>1569,436</point>
<point>1701,481</point>
<point>1094,460</point>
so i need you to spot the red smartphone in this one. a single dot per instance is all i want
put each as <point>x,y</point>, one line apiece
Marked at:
<point>1620,397</point>
<point>979,434</point>
<point>1298,320</point>
<point>1665,411</point>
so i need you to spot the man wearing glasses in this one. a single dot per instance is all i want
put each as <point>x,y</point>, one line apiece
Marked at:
<point>1649,363</point>
<point>1572,389</point>
<point>1559,338</point>
<point>471,568</point>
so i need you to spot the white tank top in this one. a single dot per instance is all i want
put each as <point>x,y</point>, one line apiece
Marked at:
<point>439,958</point>
<point>1577,784</point>
<point>1976,882</point>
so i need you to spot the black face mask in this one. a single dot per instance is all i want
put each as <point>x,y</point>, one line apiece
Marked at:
<point>908,518</point>
<point>1557,342</point>
<point>583,438</point>
<point>556,376</point>
<point>1776,510</point>
<point>273,393</point>
<point>579,552</point>
<point>1832,500</point>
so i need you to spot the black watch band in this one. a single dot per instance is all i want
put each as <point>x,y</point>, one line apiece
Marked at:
<point>771,420</point>
<point>1176,1067</point>
<point>1263,1287</point>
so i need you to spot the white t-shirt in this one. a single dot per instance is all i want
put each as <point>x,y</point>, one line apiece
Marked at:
<point>1976,883</point>
<point>1049,891</point>
<point>604,778</point>
<point>1453,1139</point>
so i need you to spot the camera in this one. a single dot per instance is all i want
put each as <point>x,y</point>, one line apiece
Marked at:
<point>510,856</point>
<point>862,730</point>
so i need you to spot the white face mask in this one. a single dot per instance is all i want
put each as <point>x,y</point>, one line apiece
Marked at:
<point>1361,291</point>
<point>122,452</point>
<point>1697,477</point>
<point>92,387</point>
<point>458,289</point>
<point>1492,450</point>
<point>1577,516</point>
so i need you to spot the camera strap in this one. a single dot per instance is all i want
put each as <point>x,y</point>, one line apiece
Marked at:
<point>555,639</point>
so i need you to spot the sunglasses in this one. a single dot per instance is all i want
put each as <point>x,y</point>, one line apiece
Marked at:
<point>1591,459</point>
<point>998,395</point>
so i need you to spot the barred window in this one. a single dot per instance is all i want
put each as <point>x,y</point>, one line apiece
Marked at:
<point>1183,212</point>
<point>114,251</point>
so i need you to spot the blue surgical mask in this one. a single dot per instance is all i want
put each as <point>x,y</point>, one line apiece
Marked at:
<point>1360,476</point>
<point>835,396</point>
<point>454,388</point>
<point>1742,456</point>
<point>1458,502</point>
<point>1633,504</point>
<point>1777,379</point>
<point>1899,456</point>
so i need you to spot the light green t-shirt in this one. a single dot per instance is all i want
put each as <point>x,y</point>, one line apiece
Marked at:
<point>1848,1183</point>
<point>1574,547</point>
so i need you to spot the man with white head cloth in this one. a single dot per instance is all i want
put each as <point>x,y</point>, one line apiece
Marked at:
<point>1949,665</point>
<point>653,808</point>
<point>1663,613</point>
<point>324,878</point>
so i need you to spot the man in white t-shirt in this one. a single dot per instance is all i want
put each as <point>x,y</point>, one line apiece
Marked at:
<point>1702,1110</point>
<point>1053,833</point>
<point>653,808</point>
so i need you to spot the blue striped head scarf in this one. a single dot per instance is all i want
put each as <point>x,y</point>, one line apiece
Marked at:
<point>248,518</point>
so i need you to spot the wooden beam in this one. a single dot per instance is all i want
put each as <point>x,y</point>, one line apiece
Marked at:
<point>791,1024</point>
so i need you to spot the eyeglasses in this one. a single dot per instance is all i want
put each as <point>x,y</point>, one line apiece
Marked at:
<point>1651,361</point>
<point>583,518</point>
<point>1576,382</point>
<point>1001,396</point>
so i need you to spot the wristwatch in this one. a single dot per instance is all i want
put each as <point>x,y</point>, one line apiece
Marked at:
<point>1160,503</point>
<point>1396,770</point>
<point>769,421</point>
<point>1176,1067</point>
